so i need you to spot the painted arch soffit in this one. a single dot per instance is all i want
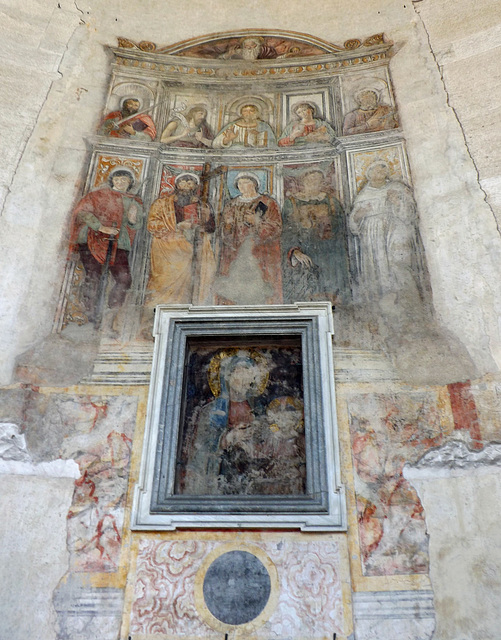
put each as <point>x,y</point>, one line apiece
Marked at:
<point>254,45</point>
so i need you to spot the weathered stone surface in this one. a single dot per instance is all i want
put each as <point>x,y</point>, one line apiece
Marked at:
<point>33,554</point>
<point>84,613</point>
<point>460,490</point>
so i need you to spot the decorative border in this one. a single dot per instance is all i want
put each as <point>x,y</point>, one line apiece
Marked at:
<point>323,507</point>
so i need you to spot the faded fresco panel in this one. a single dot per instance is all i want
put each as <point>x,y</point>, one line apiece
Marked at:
<point>388,430</point>
<point>103,229</point>
<point>251,119</point>
<point>237,230</point>
<point>187,125</point>
<point>368,104</point>
<point>306,124</point>
<point>250,226</point>
<point>242,430</point>
<point>315,262</point>
<point>96,432</point>
<point>99,439</point>
<point>251,47</point>
<point>182,224</point>
<point>130,116</point>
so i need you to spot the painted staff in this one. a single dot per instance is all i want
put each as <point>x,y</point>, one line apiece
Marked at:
<point>205,214</point>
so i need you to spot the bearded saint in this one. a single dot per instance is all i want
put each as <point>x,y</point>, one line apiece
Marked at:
<point>182,260</point>
<point>126,124</point>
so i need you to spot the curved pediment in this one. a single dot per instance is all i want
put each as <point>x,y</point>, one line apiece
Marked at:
<point>252,45</point>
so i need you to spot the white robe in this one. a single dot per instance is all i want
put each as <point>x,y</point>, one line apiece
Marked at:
<point>390,256</point>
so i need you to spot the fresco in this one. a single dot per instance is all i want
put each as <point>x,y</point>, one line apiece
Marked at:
<point>104,227</point>
<point>250,231</point>
<point>243,424</point>
<point>128,122</point>
<point>238,227</point>
<point>102,450</point>
<point>248,130</point>
<point>390,254</point>
<point>252,47</point>
<point>188,128</point>
<point>388,430</point>
<point>315,263</point>
<point>182,259</point>
<point>368,105</point>
<point>96,432</point>
<point>306,128</point>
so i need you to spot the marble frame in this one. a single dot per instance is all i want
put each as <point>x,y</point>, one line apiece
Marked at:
<point>322,508</point>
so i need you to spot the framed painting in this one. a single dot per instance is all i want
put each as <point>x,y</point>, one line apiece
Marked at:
<point>241,427</point>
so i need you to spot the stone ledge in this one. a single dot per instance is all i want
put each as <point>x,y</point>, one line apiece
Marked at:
<point>455,459</point>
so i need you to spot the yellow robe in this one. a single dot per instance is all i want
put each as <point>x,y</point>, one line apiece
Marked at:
<point>172,273</point>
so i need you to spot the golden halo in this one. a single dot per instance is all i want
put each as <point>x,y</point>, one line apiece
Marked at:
<point>278,403</point>
<point>214,371</point>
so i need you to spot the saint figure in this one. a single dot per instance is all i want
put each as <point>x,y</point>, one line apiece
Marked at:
<point>315,257</point>
<point>190,131</point>
<point>182,260</point>
<point>249,264</point>
<point>306,128</point>
<point>370,115</point>
<point>128,123</point>
<point>248,131</point>
<point>390,258</point>
<point>105,222</point>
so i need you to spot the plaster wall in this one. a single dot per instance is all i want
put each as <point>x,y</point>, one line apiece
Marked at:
<point>34,556</point>
<point>460,43</point>
<point>459,491</point>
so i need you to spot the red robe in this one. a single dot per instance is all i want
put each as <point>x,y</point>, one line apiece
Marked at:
<point>141,123</point>
<point>265,234</point>
<point>107,206</point>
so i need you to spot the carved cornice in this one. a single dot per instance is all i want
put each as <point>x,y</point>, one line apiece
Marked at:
<point>200,70</point>
<point>166,153</point>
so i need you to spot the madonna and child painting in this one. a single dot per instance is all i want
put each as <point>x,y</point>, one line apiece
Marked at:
<point>242,432</point>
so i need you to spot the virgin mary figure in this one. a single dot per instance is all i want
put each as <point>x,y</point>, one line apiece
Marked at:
<point>218,447</point>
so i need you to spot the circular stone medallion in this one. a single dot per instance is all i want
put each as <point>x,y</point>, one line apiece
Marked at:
<point>236,587</point>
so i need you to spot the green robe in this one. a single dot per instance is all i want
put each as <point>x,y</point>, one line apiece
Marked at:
<point>317,228</point>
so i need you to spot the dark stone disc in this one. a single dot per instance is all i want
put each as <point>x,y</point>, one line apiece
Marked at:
<point>236,587</point>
